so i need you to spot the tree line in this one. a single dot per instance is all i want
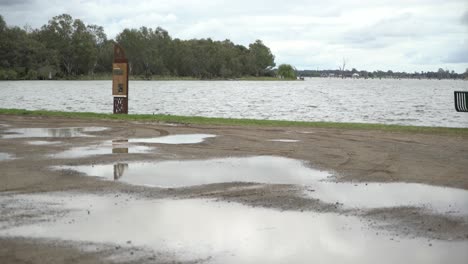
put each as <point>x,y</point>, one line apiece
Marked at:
<point>66,48</point>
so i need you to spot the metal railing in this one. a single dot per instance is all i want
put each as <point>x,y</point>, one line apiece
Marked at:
<point>461,101</point>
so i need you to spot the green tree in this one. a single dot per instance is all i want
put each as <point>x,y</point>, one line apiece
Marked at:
<point>286,71</point>
<point>73,41</point>
<point>263,59</point>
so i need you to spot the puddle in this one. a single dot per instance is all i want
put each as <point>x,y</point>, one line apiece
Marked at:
<point>174,139</point>
<point>5,156</point>
<point>108,147</point>
<point>443,200</point>
<point>279,170</point>
<point>284,140</point>
<point>43,143</point>
<point>261,169</point>
<point>51,132</point>
<point>226,232</point>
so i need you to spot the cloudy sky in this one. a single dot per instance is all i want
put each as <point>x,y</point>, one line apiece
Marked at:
<point>409,35</point>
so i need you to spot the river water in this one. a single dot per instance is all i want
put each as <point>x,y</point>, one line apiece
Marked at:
<point>405,102</point>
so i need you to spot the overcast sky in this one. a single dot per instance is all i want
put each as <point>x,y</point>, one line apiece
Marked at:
<point>409,35</point>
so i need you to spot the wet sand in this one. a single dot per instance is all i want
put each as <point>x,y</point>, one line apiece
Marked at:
<point>348,156</point>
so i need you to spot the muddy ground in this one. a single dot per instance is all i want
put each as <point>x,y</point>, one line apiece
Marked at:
<point>352,155</point>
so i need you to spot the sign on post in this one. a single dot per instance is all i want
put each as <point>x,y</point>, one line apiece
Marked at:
<point>120,81</point>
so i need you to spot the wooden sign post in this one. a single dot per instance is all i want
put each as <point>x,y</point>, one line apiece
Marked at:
<point>120,81</point>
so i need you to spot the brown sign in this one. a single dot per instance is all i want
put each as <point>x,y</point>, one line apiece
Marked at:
<point>120,81</point>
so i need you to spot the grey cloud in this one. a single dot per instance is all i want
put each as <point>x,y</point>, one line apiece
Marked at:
<point>457,56</point>
<point>391,27</point>
<point>14,2</point>
<point>333,28</point>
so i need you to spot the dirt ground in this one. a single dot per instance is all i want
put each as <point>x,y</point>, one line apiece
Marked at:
<point>352,155</point>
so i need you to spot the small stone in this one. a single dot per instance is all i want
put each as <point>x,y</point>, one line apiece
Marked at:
<point>129,242</point>
<point>430,244</point>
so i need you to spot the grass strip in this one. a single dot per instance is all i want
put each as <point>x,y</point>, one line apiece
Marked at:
<point>237,122</point>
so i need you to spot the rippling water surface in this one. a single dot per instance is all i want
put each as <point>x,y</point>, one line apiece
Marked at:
<point>407,102</point>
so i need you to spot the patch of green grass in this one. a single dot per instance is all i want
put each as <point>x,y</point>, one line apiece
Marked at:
<point>238,122</point>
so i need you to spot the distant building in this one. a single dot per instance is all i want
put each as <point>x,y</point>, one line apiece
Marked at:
<point>355,75</point>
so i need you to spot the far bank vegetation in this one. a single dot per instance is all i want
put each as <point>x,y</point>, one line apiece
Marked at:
<point>67,48</point>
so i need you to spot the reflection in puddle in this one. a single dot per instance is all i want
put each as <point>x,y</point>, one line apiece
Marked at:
<point>5,156</point>
<point>284,140</point>
<point>175,139</point>
<point>43,143</point>
<point>51,132</point>
<point>227,232</point>
<point>263,169</point>
<point>279,170</point>
<point>119,170</point>
<point>109,147</point>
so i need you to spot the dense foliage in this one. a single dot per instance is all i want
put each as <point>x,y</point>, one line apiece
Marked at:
<point>67,48</point>
<point>286,71</point>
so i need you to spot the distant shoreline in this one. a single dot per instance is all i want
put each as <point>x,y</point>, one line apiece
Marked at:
<point>246,78</point>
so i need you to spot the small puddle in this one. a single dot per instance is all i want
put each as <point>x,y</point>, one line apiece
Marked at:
<point>220,232</point>
<point>5,156</point>
<point>442,200</point>
<point>51,132</point>
<point>43,143</point>
<point>284,140</point>
<point>261,169</point>
<point>108,147</point>
<point>174,139</point>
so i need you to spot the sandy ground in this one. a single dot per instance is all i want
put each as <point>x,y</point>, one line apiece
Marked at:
<point>353,155</point>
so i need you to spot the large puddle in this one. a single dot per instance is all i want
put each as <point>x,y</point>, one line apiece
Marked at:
<point>279,170</point>
<point>261,169</point>
<point>174,139</point>
<point>63,132</point>
<point>108,147</point>
<point>221,232</point>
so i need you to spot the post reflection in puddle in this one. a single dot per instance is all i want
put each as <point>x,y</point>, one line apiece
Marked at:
<point>120,146</point>
<point>106,148</point>
<point>119,170</point>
